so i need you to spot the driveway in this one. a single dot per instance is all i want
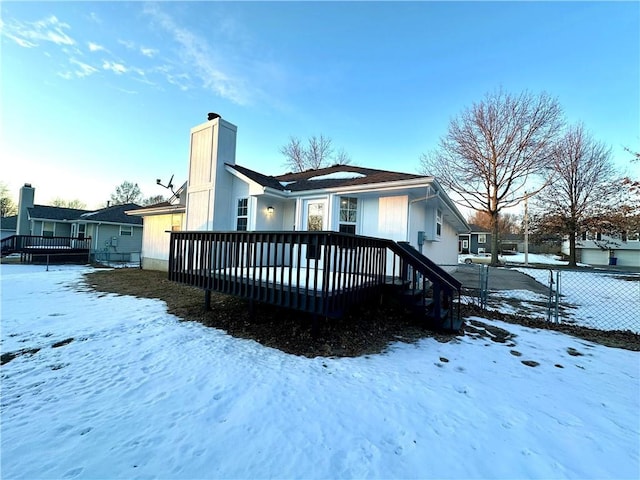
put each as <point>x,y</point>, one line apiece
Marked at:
<point>500,278</point>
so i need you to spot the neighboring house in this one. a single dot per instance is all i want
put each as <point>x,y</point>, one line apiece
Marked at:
<point>476,240</point>
<point>598,249</point>
<point>8,226</point>
<point>224,196</point>
<point>159,220</point>
<point>114,235</point>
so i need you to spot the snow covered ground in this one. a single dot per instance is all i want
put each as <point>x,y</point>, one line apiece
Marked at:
<point>138,394</point>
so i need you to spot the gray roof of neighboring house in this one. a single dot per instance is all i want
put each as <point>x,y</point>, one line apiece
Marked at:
<point>307,180</point>
<point>114,214</point>
<point>9,223</point>
<point>55,213</point>
<point>478,229</point>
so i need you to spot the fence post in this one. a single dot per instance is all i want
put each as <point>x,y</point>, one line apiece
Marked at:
<point>558,277</point>
<point>550,296</point>
<point>484,285</point>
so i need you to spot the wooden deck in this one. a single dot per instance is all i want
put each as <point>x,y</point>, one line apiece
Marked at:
<point>322,273</point>
<point>39,249</point>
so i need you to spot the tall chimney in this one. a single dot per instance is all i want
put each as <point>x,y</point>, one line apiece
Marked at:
<point>27,194</point>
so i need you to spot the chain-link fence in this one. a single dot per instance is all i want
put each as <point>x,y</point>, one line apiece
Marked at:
<point>117,259</point>
<point>604,300</point>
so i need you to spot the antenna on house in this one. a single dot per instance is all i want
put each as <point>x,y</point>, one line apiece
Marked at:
<point>168,185</point>
<point>212,116</point>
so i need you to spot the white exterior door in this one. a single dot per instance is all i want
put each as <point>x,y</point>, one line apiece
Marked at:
<point>314,215</point>
<point>314,219</point>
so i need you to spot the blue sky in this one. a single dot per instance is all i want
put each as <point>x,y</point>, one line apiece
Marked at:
<point>94,93</point>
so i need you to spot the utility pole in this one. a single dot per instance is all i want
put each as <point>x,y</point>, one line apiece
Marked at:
<point>526,229</point>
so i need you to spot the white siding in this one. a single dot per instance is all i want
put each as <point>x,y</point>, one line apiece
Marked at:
<point>155,245</point>
<point>445,251</point>
<point>595,257</point>
<point>628,258</point>
<point>210,186</point>
<point>393,217</point>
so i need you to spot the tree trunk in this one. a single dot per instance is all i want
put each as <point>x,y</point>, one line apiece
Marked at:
<point>495,240</point>
<point>572,250</point>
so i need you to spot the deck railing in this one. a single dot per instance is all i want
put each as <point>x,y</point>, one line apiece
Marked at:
<point>36,244</point>
<point>318,272</point>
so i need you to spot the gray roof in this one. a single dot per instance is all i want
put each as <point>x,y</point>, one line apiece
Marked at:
<point>114,214</point>
<point>55,213</point>
<point>9,223</point>
<point>302,181</point>
<point>478,229</point>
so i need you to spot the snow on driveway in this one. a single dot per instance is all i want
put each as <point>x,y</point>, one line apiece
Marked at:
<point>129,391</point>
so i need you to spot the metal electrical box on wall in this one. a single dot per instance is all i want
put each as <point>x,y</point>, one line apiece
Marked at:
<point>114,241</point>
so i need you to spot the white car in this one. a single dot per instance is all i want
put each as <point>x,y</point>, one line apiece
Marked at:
<point>483,258</point>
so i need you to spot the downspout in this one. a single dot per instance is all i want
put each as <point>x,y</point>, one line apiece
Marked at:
<point>411,202</point>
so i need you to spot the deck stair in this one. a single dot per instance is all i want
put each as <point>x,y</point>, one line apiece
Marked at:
<point>429,291</point>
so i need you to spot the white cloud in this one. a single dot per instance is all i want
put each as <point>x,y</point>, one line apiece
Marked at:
<point>117,68</point>
<point>94,16</point>
<point>84,69</point>
<point>31,34</point>
<point>148,52</point>
<point>94,47</point>
<point>127,44</point>
<point>214,71</point>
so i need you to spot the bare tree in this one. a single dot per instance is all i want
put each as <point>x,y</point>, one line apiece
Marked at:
<point>318,153</point>
<point>60,202</point>
<point>342,158</point>
<point>582,189</point>
<point>7,206</point>
<point>294,154</point>
<point>153,200</point>
<point>507,222</point>
<point>493,150</point>
<point>126,192</point>
<point>635,155</point>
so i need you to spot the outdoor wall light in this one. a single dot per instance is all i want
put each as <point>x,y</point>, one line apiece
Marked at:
<point>269,210</point>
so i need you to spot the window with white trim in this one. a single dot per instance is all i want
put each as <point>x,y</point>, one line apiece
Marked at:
<point>482,238</point>
<point>242,214</point>
<point>126,230</point>
<point>348,214</point>
<point>438,222</point>
<point>48,229</point>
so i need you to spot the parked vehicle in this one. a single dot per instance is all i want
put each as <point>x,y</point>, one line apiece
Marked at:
<point>482,258</point>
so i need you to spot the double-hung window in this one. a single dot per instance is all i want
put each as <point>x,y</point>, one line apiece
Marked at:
<point>126,230</point>
<point>438,222</point>
<point>48,229</point>
<point>242,214</point>
<point>348,214</point>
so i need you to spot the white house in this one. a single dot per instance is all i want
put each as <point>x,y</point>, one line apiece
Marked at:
<point>599,249</point>
<point>159,221</point>
<point>224,196</point>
